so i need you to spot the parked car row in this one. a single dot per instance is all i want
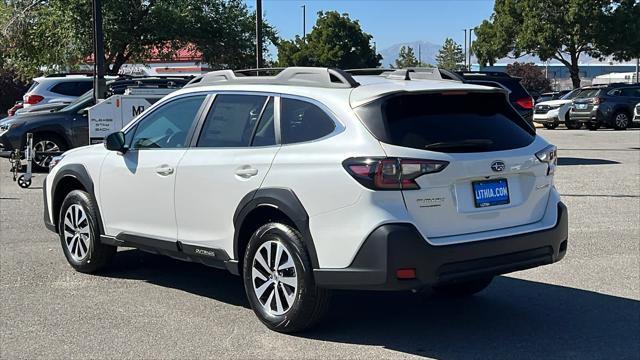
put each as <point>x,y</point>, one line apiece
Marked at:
<point>610,106</point>
<point>62,126</point>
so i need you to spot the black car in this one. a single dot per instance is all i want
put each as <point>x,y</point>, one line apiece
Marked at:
<point>606,106</point>
<point>519,98</point>
<point>66,128</point>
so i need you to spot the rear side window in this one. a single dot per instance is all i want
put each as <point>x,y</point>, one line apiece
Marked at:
<point>231,121</point>
<point>72,88</point>
<point>447,123</point>
<point>33,86</point>
<point>302,121</point>
<point>633,92</point>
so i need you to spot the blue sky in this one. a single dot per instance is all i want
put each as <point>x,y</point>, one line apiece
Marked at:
<point>389,21</point>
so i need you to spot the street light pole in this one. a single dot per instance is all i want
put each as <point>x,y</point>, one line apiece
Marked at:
<point>258,34</point>
<point>465,48</point>
<point>469,51</point>
<point>304,22</point>
<point>99,84</point>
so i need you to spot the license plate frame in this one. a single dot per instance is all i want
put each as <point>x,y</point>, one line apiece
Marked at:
<point>581,106</point>
<point>492,184</point>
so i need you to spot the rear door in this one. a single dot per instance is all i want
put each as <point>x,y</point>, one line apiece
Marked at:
<point>230,158</point>
<point>493,179</point>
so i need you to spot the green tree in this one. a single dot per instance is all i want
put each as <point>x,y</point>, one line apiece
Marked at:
<point>550,29</point>
<point>619,37</point>
<point>406,58</point>
<point>533,78</point>
<point>450,56</point>
<point>54,35</point>
<point>335,41</point>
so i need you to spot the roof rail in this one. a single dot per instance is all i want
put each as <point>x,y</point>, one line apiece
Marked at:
<point>413,73</point>
<point>484,73</point>
<point>68,74</point>
<point>301,76</point>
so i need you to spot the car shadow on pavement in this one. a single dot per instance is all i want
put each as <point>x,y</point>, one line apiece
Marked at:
<point>513,319</point>
<point>176,274</point>
<point>565,161</point>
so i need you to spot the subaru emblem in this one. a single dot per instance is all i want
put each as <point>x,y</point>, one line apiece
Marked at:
<point>497,166</point>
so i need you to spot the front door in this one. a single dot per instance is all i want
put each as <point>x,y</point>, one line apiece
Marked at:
<point>137,187</point>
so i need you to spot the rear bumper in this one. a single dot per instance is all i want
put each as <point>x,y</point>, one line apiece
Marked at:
<point>585,116</point>
<point>400,246</point>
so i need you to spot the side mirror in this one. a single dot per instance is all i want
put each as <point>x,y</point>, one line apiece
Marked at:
<point>115,142</point>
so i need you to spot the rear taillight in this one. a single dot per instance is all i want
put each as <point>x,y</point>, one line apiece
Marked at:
<point>32,99</point>
<point>525,103</point>
<point>391,173</point>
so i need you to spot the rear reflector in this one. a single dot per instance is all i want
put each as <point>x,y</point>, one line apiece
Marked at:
<point>406,274</point>
<point>525,103</point>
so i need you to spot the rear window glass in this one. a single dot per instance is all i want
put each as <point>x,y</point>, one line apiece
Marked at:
<point>448,123</point>
<point>587,93</point>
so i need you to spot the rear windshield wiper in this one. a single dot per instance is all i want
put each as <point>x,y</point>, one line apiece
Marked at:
<point>471,143</point>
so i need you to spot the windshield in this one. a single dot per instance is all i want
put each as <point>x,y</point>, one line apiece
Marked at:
<point>80,102</point>
<point>571,94</point>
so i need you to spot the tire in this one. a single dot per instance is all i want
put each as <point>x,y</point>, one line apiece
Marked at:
<point>621,120</point>
<point>80,233</point>
<point>290,309</point>
<point>46,142</point>
<point>593,126</point>
<point>550,126</point>
<point>573,125</point>
<point>463,289</point>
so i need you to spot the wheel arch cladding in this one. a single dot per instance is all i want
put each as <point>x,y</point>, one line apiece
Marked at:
<point>71,177</point>
<point>271,204</point>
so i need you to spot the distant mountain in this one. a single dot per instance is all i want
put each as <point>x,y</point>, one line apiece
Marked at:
<point>428,50</point>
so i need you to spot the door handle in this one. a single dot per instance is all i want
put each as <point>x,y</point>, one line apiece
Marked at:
<point>246,172</point>
<point>164,170</point>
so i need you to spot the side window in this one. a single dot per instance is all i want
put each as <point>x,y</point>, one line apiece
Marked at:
<point>231,121</point>
<point>633,92</point>
<point>167,127</point>
<point>72,88</point>
<point>265,133</point>
<point>615,92</point>
<point>302,121</point>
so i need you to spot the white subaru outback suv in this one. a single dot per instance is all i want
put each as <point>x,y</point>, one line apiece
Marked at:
<point>314,179</point>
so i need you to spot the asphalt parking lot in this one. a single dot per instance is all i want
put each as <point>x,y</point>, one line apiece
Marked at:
<point>148,306</point>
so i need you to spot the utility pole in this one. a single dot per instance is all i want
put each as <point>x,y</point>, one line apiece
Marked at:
<point>99,84</point>
<point>258,34</point>
<point>304,23</point>
<point>465,48</point>
<point>469,51</point>
<point>638,70</point>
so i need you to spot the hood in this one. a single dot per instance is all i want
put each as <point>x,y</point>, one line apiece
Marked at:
<point>554,102</point>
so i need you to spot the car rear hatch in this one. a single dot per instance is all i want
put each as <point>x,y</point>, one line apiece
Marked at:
<point>585,101</point>
<point>490,178</point>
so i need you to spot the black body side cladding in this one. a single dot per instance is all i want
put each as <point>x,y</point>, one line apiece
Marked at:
<point>79,173</point>
<point>217,258</point>
<point>47,222</point>
<point>398,246</point>
<point>286,201</point>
